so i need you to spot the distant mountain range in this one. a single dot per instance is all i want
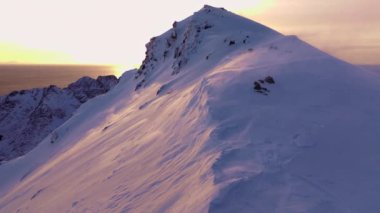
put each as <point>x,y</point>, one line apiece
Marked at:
<point>28,116</point>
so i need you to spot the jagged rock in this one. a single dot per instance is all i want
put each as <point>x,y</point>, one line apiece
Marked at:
<point>139,85</point>
<point>168,43</point>
<point>162,88</point>
<point>175,24</point>
<point>260,89</point>
<point>165,53</point>
<point>28,116</point>
<point>177,53</point>
<point>87,88</point>
<point>174,35</point>
<point>177,45</point>
<point>257,86</point>
<point>207,26</point>
<point>269,80</point>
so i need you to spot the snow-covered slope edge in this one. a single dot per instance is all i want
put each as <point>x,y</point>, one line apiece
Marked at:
<point>28,116</point>
<point>189,133</point>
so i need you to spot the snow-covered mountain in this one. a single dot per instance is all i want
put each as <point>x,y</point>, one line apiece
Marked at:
<point>224,115</point>
<point>28,116</point>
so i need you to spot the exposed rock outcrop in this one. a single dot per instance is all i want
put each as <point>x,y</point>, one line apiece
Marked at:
<point>28,116</point>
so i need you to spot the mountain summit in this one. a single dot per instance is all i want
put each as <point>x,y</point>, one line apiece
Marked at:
<point>224,115</point>
<point>209,34</point>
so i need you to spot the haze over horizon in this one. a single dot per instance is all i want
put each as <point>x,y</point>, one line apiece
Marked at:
<point>115,32</point>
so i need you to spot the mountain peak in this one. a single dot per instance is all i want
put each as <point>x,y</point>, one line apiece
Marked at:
<point>208,8</point>
<point>206,29</point>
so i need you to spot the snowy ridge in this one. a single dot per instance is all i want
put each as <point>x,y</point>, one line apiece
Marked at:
<point>201,138</point>
<point>28,116</point>
<point>197,39</point>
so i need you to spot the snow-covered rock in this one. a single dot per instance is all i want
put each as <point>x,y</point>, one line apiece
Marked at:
<point>28,116</point>
<point>188,132</point>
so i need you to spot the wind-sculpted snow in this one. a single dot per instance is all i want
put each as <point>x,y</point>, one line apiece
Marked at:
<point>28,116</point>
<point>202,139</point>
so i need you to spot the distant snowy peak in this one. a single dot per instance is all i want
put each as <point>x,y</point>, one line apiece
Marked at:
<point>207,31</point>
<point>86,88</point>
<point>27,116</point>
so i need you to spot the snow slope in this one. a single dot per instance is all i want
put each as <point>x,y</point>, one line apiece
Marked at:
<point>188,132</point>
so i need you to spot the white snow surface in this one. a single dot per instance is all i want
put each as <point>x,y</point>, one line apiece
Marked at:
<point>208,142</point>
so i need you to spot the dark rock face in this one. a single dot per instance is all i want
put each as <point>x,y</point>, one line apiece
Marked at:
<point>87,88</point>
<point>28,116</point>
<point>175,47</point>
<point>258,85</point>
<point>269,80</point>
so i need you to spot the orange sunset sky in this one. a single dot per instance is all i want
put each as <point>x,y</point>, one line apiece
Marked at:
<point>115,31</point>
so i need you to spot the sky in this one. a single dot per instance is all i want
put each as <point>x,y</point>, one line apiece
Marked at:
<point>116,31</point>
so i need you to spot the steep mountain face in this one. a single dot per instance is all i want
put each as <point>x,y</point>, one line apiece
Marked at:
<point>224,115</point>
<point>28,116</point>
